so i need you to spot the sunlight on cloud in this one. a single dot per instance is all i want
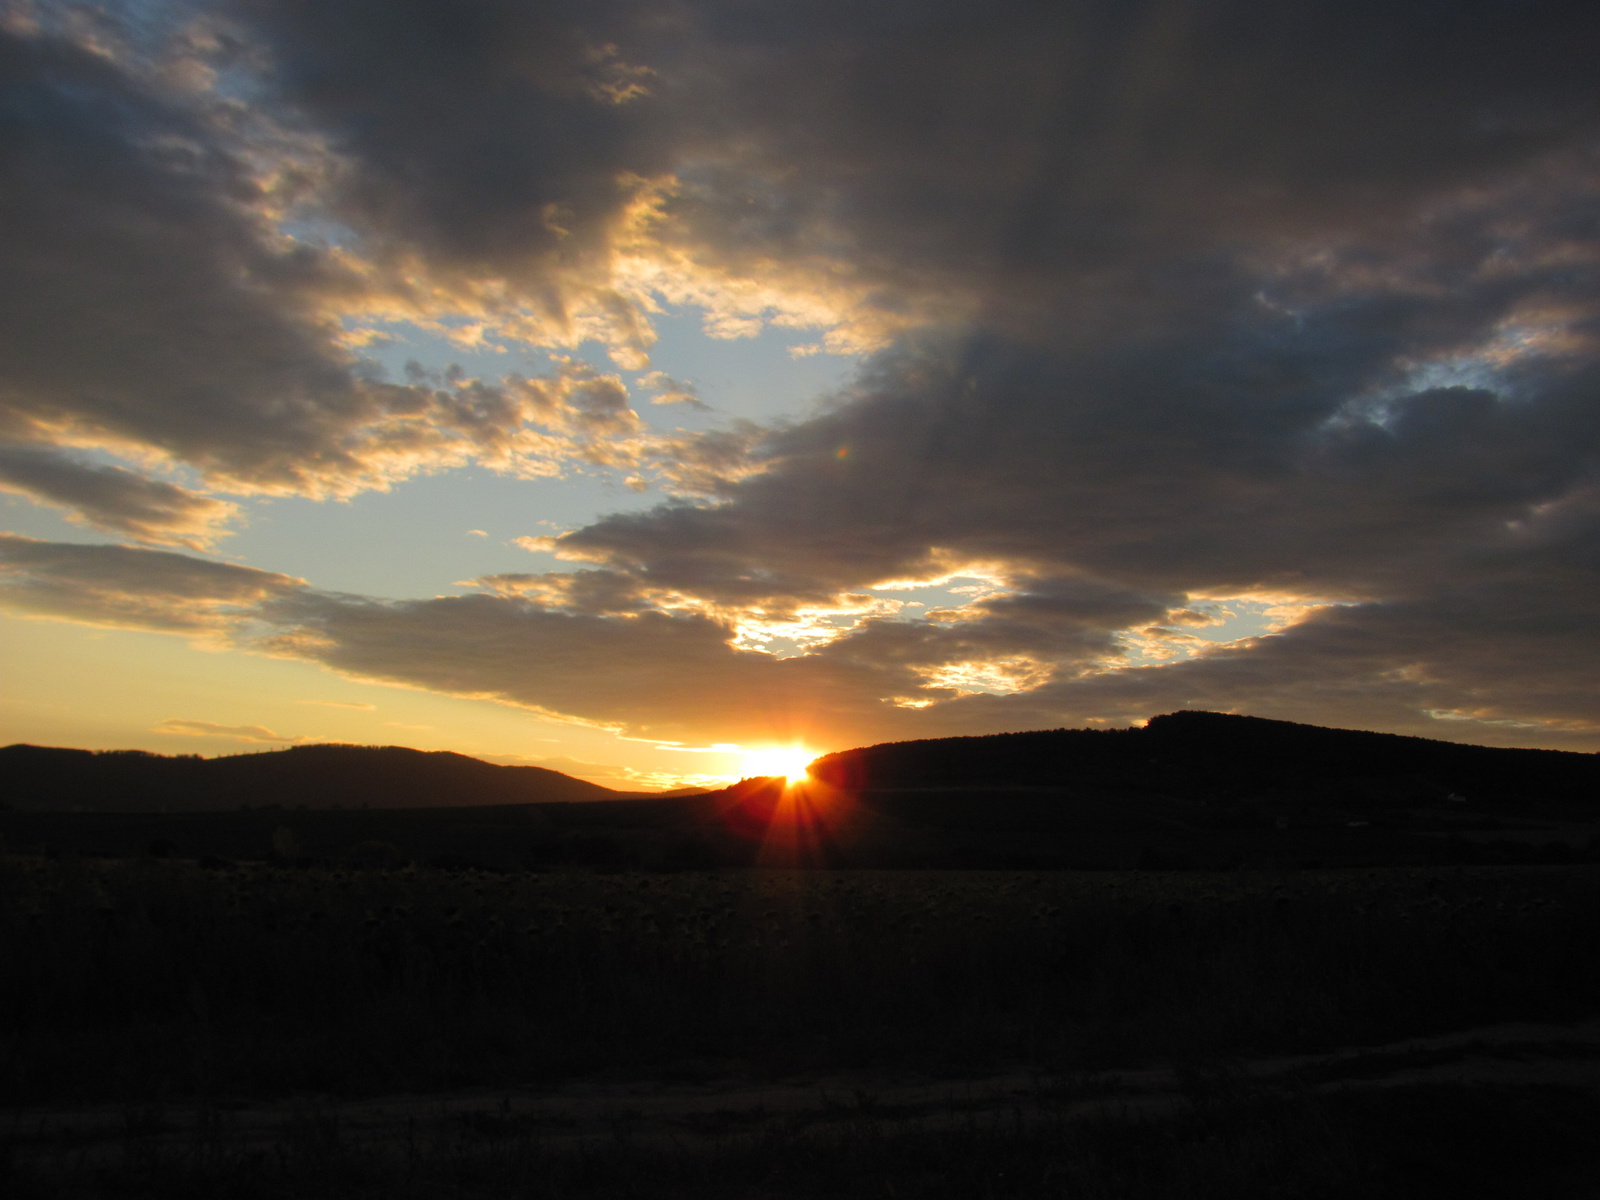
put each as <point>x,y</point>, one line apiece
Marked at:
<point>1487,716</point>
<point>945,568</point>
<point>996,677</point>
<point>805,628</point>
<point>660,258</point>
<point>1211,623</point>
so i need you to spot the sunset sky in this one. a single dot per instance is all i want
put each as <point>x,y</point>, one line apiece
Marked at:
<point>623,387</point>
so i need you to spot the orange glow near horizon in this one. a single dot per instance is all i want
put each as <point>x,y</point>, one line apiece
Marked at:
<point>800,822</point>
<point>788,762</point>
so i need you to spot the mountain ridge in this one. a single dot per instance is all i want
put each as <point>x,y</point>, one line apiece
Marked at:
<point>324,775</point>
<point>1193,754</point>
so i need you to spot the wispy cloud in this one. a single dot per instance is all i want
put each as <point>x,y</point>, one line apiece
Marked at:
<point>671,391</point>
<point>236,733</point>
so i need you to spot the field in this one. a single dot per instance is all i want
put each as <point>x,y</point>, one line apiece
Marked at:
<point>170,994</point>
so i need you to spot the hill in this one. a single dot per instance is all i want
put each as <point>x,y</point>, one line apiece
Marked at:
<point>1189,789</point>
<point>320,776</point>
<point>1207,755</point>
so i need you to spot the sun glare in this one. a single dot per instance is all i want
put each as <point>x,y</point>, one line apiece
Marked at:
<point>787,761</point>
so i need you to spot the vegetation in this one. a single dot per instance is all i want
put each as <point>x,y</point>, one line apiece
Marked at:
<point>902,828</point>
<point>1235,1142</point>
<point>168,988</point>
<point>160,979</point>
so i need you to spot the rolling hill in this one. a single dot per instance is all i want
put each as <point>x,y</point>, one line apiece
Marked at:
<point>1188,789</point>
<point>1208,755</point>
<point>320,776</point>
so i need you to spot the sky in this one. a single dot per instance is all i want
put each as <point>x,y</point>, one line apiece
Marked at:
<point>632,387</point>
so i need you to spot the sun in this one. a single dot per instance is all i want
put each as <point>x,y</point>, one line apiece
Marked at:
<point>787,761</point>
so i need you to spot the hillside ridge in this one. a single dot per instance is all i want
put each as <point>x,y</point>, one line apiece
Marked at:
<point>1201,751</point>
<point>1189,753</point>
<point>324,775</point>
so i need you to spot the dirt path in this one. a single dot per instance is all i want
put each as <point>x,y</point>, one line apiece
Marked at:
<point>704,1115</point>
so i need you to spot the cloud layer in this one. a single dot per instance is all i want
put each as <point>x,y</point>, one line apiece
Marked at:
<point>1170,306</point>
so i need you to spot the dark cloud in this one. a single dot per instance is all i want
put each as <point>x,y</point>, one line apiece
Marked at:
<point>908,161</point>
<point>129,588</point>
<point>1454,524</point>
<point>653,674</point>
<point>113,499</point>
<point>143,301</point>
<point>494,137</point>
<point>1179,470</point>
<point>1063,172</point>
<point>1501,664</point>
<point>1091,157</point>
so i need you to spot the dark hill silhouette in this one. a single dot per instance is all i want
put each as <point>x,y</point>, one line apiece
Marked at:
<point>1189,789</point>
<point>1218,754</point>
<point>320,776</point>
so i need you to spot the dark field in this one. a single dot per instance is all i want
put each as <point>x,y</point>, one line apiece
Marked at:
<point>969,828</point>
<point>172,994</point>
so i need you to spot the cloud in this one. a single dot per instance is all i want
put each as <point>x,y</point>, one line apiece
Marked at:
<point>671,391</point>
<point>542,171</point>
<point>1168,305</point>
<point>1500,665</point>
<point>485,154</point>
<point>149,305</point>
<point>133,589</point>
<point>1503,661</point>
<point>945,164</point>
<point>115,500</point>
<point>156,309</point>
<point>1109,491</point>
<point>237,733</point>
<point>653,673</point>
<point>1010,164</point>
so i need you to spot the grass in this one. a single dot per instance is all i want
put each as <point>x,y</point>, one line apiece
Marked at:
<point>157,980</point>
<point>1464,1143</point>
<point>168,991</point>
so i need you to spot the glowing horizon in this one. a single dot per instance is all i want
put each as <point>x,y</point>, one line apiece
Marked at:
<point>787,762</point>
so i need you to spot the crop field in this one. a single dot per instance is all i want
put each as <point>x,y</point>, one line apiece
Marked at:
<point>151,983</point>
